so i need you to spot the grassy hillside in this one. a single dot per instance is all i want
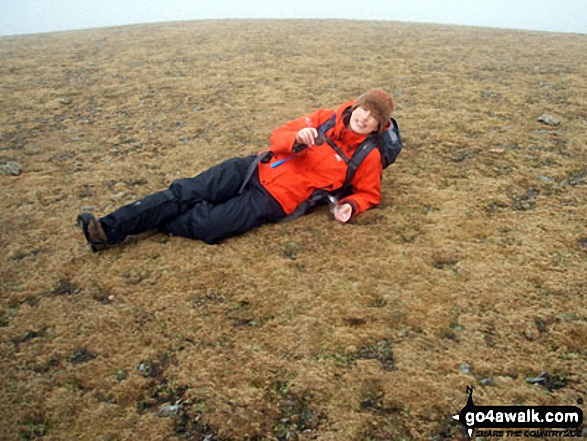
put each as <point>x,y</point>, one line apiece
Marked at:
<point>472,271</point>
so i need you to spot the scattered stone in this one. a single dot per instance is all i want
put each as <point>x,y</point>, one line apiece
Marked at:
<point>486,382</point>
<point>147,369</point>
<point>243,322</point>
<point>491,94</point>
<point>86,208</point>
<point>121,374</point>
<point>11,168</point>
<point>81,355</point>
<point>494,206</point>
<point>541,325</point>
<point>578,177</point>
<point>65,101</point>
<point>549,120</point>
<point>169,410</point>
<point>101,295</point>
<point>545,132</point>
<point>119,196</point>
<point>549,381</point>
<point>382,352</point>
<point>461,155</point>
<point>525,202</point>
<point>465,368</point>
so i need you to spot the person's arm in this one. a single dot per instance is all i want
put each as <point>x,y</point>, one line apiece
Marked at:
<point>298,131</point>
<point>366,188</point>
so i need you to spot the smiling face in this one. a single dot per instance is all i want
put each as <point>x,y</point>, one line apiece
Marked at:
<point>362,121</point>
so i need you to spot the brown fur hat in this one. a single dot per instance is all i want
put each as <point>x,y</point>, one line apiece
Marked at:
<point>379,103</point>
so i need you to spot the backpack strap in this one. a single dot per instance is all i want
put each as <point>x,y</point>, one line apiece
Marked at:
<point>389,144</point>
<point>263,157</point>
<point>338,150</point>
<point>358,157</point>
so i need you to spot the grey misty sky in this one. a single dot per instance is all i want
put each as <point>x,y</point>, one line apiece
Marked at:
<point>38,16</point>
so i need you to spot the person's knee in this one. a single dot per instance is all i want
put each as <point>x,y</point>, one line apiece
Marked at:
<point>206,232</point>
<point>191,231</point>
<point>195,224</point>
<point>177,188</point>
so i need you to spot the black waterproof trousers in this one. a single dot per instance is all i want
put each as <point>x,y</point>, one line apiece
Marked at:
<point>207,207</point>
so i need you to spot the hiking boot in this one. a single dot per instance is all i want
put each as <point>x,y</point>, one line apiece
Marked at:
<point>92,228</point>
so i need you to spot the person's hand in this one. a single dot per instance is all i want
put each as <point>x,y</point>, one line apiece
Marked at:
<point>307,136</point>
<point>343,212</point>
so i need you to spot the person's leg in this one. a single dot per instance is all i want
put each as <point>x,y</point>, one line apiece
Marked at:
<point>215,185</point>
<point>140,216</point>
<point>212,223</point>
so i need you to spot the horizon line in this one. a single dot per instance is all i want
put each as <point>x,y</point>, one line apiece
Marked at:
<point>333,19</point>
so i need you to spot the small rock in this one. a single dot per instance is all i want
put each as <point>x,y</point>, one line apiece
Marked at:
<point>121,375</point>
<point>486,382</point>
<point>549,381</point>
<point>578,178</point>
<point>546,179</point>
<point>540,379</point>
<point>548,120</point>
<point>11,168</point>
<point>169,410</point>
<point>490,94</point>
<point>65,101</point>
<point>82,355</point>
<point>146,369</point>
<point>86,208</point>
<point>119,196</point>
<point>465,368</point>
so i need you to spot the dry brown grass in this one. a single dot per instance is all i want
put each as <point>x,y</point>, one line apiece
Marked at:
<point>307,330</point>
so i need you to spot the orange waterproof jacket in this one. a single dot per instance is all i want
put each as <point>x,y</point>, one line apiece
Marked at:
<point>320,167</point>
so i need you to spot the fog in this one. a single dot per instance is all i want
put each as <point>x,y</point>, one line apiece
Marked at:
<point>38,16</point>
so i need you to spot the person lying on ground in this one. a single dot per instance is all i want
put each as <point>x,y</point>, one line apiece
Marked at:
<point>335,155</point>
